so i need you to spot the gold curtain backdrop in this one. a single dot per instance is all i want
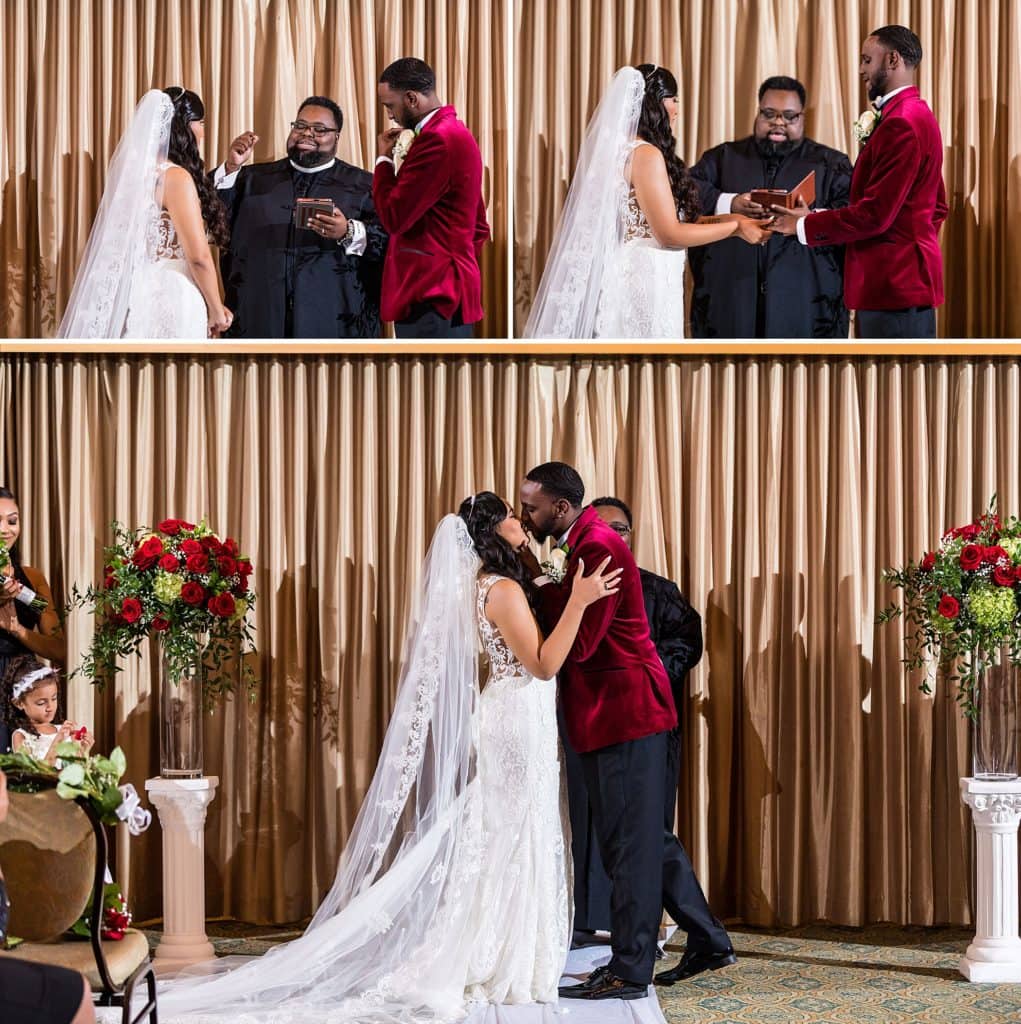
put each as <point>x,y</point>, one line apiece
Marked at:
<point>721,50</point>
<point>819,781</point>
<point>72,72</point>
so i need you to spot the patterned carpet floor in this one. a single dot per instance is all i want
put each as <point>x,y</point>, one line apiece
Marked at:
<point>810,975</point>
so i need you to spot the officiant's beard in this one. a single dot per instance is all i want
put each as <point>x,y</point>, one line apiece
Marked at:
<point>310,157</point>
<point>767,148</point>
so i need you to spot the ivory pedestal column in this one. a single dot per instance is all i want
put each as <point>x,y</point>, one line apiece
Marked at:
<point>995,953</point>
<point>181,804</point>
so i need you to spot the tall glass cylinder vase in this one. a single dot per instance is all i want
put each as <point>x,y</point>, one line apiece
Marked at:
<point>994,750</point>
<point>181,721</point>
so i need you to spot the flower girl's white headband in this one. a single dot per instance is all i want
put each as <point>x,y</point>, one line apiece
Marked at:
<point>25,683</point>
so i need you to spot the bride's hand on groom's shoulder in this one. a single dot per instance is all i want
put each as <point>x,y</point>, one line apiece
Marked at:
<point>240,151</point>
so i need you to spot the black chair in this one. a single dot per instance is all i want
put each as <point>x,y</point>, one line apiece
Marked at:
<point>113,968</point>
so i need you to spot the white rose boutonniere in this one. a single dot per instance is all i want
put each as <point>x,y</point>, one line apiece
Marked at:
<point>555,567</point>
<point>404,142</point>
<point>865,125</point>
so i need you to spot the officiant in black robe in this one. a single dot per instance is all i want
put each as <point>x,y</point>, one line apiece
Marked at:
<point>285,281</point>
<point>783,289</point>
<point>676,630</point>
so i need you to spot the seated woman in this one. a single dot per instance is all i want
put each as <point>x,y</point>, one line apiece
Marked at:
<point>24,628</point>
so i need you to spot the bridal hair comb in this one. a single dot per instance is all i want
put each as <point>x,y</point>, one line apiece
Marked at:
<point>655,68</point>
<point>26,682</point>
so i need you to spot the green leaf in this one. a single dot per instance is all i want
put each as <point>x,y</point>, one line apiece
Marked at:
<point>66,792</point>
<point>119,761</point>
<point>73,775</point>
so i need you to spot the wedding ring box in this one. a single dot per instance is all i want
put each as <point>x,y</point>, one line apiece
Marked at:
<point>805,189</point>
<point>306,209</point>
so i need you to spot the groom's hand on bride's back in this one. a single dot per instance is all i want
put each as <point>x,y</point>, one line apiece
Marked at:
<point>240,151</point>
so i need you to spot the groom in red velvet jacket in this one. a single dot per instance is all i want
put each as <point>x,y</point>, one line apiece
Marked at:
<point>893,270</point>
<point>618,707</point>
<point>433,210</point>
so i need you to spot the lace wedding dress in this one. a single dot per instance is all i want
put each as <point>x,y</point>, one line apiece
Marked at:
<point>452,894</point>
<point>133,280</point>
<point>606,276</point>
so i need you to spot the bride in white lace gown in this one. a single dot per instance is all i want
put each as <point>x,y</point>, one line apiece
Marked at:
<point>147,270</point>
<point>616,265</point>
<point>453,890</point>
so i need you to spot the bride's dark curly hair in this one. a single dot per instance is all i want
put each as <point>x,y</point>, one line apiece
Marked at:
<point>654,127</point>
<point>184,152</point>
<point>482,515</point>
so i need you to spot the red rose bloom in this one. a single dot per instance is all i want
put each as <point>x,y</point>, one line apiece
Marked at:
<point>192,593</point>
<point>152,548</point>
<point>1003,576</point>
<point>198,562</point>
<point>972,556</point>
<point>160,624</point>
<point>171,527</point>
<point>230,547</point>
<point>221,605</point>
<point>244,567</point>
<point>994,553</point>
<point>190,547</point>
<point>131,610</point>
<point>169,563</point>
<point>110,579</point>
<point>928,562</point>
<point>227,565</point>
<point>142,560</point>
<point>210,543</point>
<point>1017,574</point>
<point>948,607</point>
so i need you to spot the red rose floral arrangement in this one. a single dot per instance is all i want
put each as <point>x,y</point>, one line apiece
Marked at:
<point>180,584</point>
<point>962,602</point>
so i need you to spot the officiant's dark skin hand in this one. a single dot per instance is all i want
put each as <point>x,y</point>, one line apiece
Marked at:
<point>743,204</point>
<point>387,140</point>
<point>330,225</point>
<point>787,220</point>
<point>240,151</point>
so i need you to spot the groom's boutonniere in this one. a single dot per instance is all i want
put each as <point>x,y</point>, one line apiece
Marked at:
<point>404,142</point>
<point>555,567</point>
<point>866,125</point>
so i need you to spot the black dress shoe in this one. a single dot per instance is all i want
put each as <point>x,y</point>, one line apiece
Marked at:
<point>694,962</point>
<point>602,984</point>
<point>660,955</point>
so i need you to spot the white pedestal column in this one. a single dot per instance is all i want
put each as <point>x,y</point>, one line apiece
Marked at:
<point>995,953</point>
<point>182,804</point>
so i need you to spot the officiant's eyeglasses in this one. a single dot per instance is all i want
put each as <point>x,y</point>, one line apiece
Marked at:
<point>790,116</point>
<point>622,528</point>
<point>318,130</point>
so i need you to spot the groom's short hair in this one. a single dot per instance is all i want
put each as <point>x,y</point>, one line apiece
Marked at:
<point>559,480</point>
<point>782,83</point>
<point>325,101</point>
<point>903,40</point>
<point>409,74</point>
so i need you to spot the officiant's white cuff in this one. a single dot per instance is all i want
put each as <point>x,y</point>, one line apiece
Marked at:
<point>724,203</point>
<point>383,160</point>
<point>221,179</point>
<point>800,228</point>
<point>359,239</point>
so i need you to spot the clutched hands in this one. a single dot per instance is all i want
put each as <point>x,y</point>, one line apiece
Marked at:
<point>786,221</point>
<point>753,231</point>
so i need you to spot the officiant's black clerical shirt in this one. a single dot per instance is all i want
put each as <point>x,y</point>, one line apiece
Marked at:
<point>783,289</point>
<point>283,281</point>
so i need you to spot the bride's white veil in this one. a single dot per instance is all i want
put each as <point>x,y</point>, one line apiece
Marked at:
<point>387,943</point>
<point>98,307</point>
<point>591,225</point>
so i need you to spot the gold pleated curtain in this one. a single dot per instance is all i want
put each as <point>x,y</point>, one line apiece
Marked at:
<point>721,51</point>
<point>72,72</point>
<point>818,783</point>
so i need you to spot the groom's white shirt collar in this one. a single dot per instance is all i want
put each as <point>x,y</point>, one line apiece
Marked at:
<point>567,533</point>
<point>425,120</point>
<point>313,170</point>
<point>883,100</point>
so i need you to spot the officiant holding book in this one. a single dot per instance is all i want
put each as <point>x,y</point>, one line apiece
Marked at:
<point>779,290</point>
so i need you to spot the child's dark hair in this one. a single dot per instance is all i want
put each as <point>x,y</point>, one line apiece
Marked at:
<point>17,668</point>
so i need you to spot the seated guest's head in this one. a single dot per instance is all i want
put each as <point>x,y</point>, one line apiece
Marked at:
<point>315,132</point>
<point>407,89</point>
<point>10,520</point>
<point>616,515</point>
<point>29,693</point>
<point>780,122</point>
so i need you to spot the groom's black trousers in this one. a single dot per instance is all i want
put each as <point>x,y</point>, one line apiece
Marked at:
<point>647,865</point>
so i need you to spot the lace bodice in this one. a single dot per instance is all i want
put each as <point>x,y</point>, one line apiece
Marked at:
<point>636,224</point>
<point>161,241</point>
<point>503,664</point>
